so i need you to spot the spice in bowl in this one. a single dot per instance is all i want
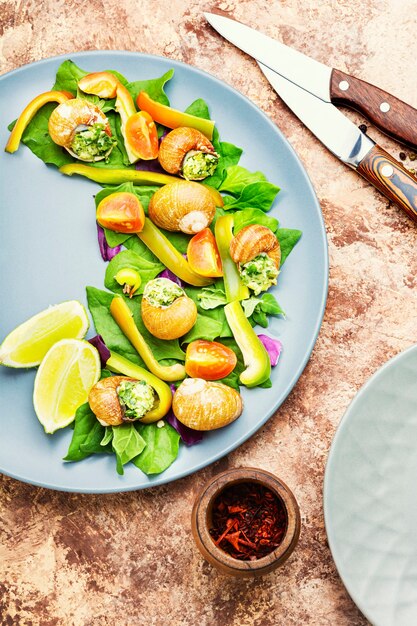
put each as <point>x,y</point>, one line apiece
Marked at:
<point>249,521</point>
<point>245,522</point>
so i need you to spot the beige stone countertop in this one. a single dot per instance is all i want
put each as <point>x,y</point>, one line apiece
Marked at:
<point>129,559</point>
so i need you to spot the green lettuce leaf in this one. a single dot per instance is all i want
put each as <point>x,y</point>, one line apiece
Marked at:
<point>288,238</point>
<point>257,309</point>
<point>161,448</point>
<point>87,435</point>
<point>237,177</point>
<point>127,258</point>
<point>154,87</point>
<point>245,217</point>
<point>212,296</point>
<point>127,444</point>
<point>255,196</point>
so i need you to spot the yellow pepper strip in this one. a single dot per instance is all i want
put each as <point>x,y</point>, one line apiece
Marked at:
<point>172,118</point>
<point>125,107</point>
<point>121,365</point>
<point>169,255</point>
<point>223,230</point>
<point>124,319</point>
<point>255,356</point>
<point>118,176</point>
<point>29,112</point>
<point>216,195</point>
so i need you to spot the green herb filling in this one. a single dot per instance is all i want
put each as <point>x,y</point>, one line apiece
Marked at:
<point>162,292</point>
<point>199,165</point>
<point>92,143</point>
<point>259,273</point>
<point>136,398</point>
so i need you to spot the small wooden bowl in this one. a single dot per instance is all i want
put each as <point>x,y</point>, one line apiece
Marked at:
<point>201,522</point>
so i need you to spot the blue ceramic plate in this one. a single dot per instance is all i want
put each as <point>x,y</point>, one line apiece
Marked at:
<point>370,495</point>
<point>49,253</point>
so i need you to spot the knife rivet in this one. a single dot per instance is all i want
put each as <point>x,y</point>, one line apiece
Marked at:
<point>387,170</point>
<point>385,107</point>
<point>344,85</point>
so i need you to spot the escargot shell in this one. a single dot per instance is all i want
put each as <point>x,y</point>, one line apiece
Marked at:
<point>104,402</point>
<point>172,321</point>
<point>177,143</point>
<point>182,206</point>
<point>253,240</point>
<point>206,405</point>
<point>69,116</point>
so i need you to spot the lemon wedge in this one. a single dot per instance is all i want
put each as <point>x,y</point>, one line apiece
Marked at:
<point>27,344</point>
<point>63,381</point>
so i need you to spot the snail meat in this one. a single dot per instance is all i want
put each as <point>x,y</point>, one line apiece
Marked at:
<point>182,206</point>
<point>206,405</point>
<point>82,129</point>
<point>256,250</point>
<point>118,399</point>
<point>167,312</point>
<point>187,152</point>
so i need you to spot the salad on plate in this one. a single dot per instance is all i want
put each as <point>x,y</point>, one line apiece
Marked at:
<point>191,255</point>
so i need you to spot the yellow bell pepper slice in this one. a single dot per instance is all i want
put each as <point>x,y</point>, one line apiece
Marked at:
<point>29,112</point>
<point>255,356</point>
<point>235,289</point>
<point>107,176</point>
<point>162,248</point>
<point>172,118</point>
<point>120,365</point>
<point>122,315</point>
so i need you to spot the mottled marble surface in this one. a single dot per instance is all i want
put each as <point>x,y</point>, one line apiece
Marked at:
<point>129,559</point>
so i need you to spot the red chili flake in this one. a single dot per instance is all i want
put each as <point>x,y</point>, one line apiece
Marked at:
<point>248,521</point>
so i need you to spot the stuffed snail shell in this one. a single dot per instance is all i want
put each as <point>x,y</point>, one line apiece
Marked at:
<point>118,399</point>
<point>167,312</point>
<point>82,129</point>
<point>257,252</point>
<point>187,152</point>
<point>182,206</point>
<point>206,405</point>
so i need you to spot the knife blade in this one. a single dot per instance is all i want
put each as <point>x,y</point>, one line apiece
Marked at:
<point>330,126</point>
<point>390,114</point>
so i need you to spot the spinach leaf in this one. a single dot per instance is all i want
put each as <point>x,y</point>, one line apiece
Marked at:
<point>87,435</point>
<point>288,238</point>
<point>255,196</point>
<point>210,324</point>
<point>237,177</point>
<point>212,296</point>
<point>154,87</point>
<point>36,137</point>
<point>257,309</point>
<point>245,217</point>
<point>67,77</point>
<point>127,258</point>
<point>108,436</point>
<point>127,444</point>
<point>137,246</point>
<point>161,448</point>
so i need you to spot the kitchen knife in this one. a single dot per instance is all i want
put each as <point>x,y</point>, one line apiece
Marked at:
<point>306,89</point>
<point>389,114</point>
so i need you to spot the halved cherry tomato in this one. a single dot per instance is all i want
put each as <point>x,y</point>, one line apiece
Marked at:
<point>142,136</point>
<point>121,212</point>
<point>203,254</point>
<point>209,360</point>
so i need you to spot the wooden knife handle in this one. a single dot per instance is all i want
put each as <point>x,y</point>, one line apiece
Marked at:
<point>391,115</point>
<point>390,177</point>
